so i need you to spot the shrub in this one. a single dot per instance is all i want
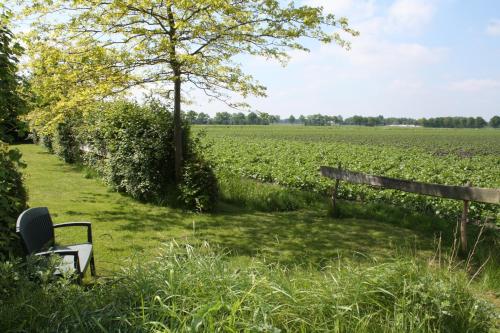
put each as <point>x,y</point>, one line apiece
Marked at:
<point>65,143</point>
<point>135,147</point>
<point>12,198</point>
<point>199,190</point>
<point>199,290</point>
<point>132,147</point>
<point>46,141</point>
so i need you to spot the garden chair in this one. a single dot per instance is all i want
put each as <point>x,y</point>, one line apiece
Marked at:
<point>36,230</point>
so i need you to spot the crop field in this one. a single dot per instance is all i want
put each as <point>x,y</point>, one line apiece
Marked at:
<point>291,156</point>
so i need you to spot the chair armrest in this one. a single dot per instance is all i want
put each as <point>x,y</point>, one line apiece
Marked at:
<point>78,224</point>
<point>62,253</point>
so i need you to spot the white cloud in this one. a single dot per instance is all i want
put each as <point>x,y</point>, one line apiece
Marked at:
<point>373,55</point>
<point>386,71</point>
<point>493,28</point>
<point>375,51</point>
<point>331,6</point>
<point>474,85</point>
<point>383,55</point>
<point>409,16</point>
<point>406,86</point>
<point>353,9</point>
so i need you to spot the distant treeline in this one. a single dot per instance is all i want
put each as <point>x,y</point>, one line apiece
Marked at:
<point>252,118</point>
<point>439,122</point>
<point>226,118</point>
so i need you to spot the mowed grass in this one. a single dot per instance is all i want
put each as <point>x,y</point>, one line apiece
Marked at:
<point>125,228</point>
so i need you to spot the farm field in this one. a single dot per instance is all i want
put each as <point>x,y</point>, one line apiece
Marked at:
<point>291,156</point>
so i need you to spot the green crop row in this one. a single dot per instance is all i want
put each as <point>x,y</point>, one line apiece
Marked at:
<point>287,156</point>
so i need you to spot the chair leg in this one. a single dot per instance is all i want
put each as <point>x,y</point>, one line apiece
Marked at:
<point>92,266</point>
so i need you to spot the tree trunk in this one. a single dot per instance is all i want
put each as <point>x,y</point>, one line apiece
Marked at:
<point>177,128</point>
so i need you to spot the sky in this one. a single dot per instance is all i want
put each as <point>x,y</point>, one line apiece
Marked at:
<point>413,58</point>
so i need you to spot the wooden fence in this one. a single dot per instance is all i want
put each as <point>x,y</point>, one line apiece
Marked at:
<point>464,193</point>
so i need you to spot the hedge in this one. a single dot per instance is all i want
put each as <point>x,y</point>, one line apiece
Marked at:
<point>132,147</point>
<point>13,198</point>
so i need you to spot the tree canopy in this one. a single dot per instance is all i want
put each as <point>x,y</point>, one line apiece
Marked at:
<point>168,43</point>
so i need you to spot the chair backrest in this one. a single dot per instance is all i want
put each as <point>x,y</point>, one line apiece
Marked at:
<point>35,227</point>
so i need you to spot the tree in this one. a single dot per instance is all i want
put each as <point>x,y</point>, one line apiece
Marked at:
<point>191,116</point>
<point>291,119</point>
<point>191,41</point>
<point>274,119</point>
<point>63,83</point>
<point>12,105</point>
<point>202,118</point>
<point>252,118</point>
<point>264,118</point>
<point>238,118</point>
<point>222,118</point>
<point>495,122</point>
<point>480,122</point>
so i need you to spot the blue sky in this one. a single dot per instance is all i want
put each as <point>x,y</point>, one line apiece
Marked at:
<point>414,58</point>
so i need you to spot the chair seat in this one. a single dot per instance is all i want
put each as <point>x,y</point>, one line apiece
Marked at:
<point>67,264</point>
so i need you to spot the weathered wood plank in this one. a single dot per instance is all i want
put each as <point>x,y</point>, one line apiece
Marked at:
<point>487,195</point>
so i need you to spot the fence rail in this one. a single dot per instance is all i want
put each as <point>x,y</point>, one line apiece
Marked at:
<point>464,193</point>
<point>468,193</point>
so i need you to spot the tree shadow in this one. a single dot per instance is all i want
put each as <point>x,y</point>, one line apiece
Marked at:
<point>309,237</point>
<point>299,237</point>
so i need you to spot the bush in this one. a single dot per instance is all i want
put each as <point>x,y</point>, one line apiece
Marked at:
<point>12,103</point>
<point>199,190</point>
<point>12,198</point>
<point>199,290</point>
<point>132,147</point>
<point>46,141</point>
<point>65,143</point>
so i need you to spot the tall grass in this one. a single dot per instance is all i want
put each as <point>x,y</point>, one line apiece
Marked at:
<point>190,289</point>
<point>254,195</point>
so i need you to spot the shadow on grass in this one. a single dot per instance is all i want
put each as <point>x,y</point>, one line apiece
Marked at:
<point>299,237</point>
<point>309,237</point>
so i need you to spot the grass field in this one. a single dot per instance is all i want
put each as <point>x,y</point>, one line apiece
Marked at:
<point>124,227</point>
<point>291,156</point>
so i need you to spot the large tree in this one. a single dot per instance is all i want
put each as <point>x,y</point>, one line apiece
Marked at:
<point>173,42</point>
<point>495,122</point>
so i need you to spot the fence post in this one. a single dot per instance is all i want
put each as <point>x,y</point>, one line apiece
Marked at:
<point>334,194</point>
<point>463,224</point>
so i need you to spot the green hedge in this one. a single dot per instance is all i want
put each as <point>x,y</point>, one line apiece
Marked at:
<point>132,147</point>
<point>12,198</point>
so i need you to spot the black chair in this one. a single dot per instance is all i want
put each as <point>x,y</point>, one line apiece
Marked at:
<point>36,230</point>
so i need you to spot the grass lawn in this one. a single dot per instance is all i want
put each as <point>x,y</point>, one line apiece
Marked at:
<point>124,227</point>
